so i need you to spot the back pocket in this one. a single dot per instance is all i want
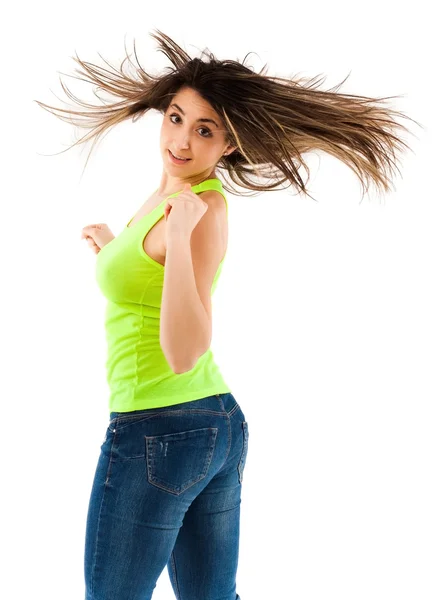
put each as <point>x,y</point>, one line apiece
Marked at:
<point>176,461</point>
<point>244,452</point>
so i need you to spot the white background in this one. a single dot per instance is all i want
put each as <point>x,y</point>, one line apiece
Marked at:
<point>326,320</point>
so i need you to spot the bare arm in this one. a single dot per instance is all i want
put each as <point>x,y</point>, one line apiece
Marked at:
<point>185,329</point>
<point>190,268</point>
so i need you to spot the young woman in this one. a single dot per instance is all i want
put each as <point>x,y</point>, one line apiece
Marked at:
<point>167,487</point>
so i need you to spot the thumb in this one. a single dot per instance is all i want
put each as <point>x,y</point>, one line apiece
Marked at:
<point>186,186</point>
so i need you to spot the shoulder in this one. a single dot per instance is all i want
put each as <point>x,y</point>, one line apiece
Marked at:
<point>214,199</point>
<point>216,212</point>
<point>212,229</point>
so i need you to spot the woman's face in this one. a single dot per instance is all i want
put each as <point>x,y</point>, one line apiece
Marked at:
<point>192,129</point>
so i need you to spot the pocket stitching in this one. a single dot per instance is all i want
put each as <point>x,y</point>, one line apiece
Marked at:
<point>157,482</point>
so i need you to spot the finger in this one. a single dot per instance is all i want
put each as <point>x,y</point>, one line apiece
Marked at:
<point>93,226</point>
<point>86,230</point>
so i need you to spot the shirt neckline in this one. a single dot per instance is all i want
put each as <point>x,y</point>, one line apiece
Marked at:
<point>128,226</point>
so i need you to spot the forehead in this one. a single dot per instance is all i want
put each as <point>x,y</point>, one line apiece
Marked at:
<point>190,100</point>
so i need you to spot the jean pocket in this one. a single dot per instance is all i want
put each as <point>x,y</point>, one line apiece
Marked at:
<point>243,457</point>
<point>176,461</point>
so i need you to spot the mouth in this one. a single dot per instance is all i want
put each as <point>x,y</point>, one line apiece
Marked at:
<point>176,159</point>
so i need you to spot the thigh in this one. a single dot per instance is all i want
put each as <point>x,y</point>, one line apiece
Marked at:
<point>204,561</point>
<point>151,467</point>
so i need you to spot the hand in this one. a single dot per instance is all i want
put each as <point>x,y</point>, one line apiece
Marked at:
<point>183,212</point>
<point>97,236</point>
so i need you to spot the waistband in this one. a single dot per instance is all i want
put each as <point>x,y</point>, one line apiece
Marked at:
<point>220,403</point>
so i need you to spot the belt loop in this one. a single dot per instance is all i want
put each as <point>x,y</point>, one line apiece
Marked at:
<point>222,406</point>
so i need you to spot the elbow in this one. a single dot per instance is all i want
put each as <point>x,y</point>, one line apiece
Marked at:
<point>180,368</point>
<point>179,365</point>
<point>185,359</point>
<point>183,365</point>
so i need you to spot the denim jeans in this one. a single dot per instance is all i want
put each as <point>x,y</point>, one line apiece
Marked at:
<point>167,492</point>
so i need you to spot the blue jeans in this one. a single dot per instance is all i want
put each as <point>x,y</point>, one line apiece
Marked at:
<point>167,492</point>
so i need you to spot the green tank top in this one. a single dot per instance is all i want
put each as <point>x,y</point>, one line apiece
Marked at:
<point>138,374</point>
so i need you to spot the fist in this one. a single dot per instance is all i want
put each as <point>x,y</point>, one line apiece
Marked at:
<point>183,212</point>
<point>97,236</point>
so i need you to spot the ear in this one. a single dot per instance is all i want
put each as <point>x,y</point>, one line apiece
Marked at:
<point>229,150</point>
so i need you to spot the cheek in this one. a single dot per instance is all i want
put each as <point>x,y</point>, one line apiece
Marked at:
<point>165,128</point>
<point>207,153</point>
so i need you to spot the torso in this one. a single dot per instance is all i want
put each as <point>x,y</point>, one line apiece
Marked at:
<point>155,240</point>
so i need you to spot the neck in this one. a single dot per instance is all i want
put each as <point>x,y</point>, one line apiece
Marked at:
<point>169,184</point>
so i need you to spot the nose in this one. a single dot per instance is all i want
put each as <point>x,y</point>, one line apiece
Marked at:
<point>183,144</point>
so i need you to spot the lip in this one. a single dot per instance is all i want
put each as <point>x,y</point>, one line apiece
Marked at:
<point>174,160</point>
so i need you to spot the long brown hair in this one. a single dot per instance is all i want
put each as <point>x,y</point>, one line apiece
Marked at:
<point>272,121</point>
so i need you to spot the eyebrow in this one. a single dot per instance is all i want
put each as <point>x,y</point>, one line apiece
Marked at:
<point>198,120</point>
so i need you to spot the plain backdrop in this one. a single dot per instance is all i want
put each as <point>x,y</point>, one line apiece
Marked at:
<point>326,316</point>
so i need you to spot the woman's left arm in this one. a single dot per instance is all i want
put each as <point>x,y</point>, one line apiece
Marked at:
<point>191,263</point>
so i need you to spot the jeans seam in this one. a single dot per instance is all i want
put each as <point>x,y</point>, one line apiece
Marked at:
<point>92,574</point>
<point>228,415</point>
<point>244,426</point>
<point>233,410</point>
<point>174,571</point>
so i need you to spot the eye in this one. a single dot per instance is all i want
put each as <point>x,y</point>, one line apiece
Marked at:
<point>209,134</point>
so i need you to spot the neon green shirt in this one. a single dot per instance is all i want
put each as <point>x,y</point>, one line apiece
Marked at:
<point>138,373</point>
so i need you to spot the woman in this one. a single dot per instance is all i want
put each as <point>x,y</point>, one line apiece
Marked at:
<point>167,487</point>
